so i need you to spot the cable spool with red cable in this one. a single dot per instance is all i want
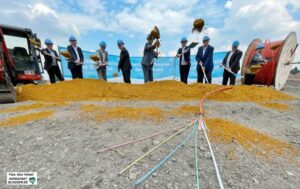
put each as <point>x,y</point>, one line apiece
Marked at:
<point>279,54</point>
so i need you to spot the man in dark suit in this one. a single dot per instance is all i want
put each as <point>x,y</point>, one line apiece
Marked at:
<point>204,60</point>
<point>148,59</point>
<point>76,61</point>
<point>51,62</point>
<point>184,55</point>
<point>231,64</point>
<point>124,62</point>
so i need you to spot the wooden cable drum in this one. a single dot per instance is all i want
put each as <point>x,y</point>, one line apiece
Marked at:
<point>276,71</point>
<point>247,57</point>
<point>287,54</point>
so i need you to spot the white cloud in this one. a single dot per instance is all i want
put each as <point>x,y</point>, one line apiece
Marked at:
<point>268,19</point>
<point>91,6</point>
<point>243,19</point>
<point>49,23</point>
<point>41,9</point>
<point>170,16</point>
<point>131,1</point>
<point>228,4</point>
<point>172,53</point>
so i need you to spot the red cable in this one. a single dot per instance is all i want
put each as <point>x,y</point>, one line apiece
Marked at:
<point>137,140</point>
<point>208,94</point>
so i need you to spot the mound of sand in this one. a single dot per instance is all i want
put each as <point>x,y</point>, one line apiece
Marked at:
<point>89,89</point>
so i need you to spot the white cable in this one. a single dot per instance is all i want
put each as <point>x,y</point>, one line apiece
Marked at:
<point>214,160</point>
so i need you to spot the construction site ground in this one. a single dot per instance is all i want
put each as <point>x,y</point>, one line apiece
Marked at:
<point>62,145</point>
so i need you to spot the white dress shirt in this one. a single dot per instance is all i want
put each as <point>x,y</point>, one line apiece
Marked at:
<point>228,58</point>
<point>54,62</point>
<point>77,54</point>
<point>103,56</point>
<point>183,62</point>
<point>204,49</point>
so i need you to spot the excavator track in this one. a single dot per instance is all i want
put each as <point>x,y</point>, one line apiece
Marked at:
<point>7,91</point>
<point>7,98</point>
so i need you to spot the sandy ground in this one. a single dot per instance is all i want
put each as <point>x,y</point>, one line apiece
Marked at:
<point>63,149</point>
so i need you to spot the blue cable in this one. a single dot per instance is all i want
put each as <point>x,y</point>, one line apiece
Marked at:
<point>144,177</point>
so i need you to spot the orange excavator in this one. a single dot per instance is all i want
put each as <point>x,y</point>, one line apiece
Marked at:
<point>20,60</point>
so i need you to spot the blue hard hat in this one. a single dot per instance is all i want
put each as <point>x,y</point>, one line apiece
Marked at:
<point>260,46</point>
<point>236,43</point>
<point>72,38</point>
<point>184,39</point>
<point>119,42</point>
<point>48,42</point>
<point>206,38</point>
<point>102,44</point>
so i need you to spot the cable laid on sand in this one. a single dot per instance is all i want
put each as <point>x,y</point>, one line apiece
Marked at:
<point>208,94</point>
<point>166,158</point>
<point>204,127</point>
<point>196,160</point>
<point>160,144</point>
<point>138,140</point>
<point>214,159</point>
<point>196,123</point>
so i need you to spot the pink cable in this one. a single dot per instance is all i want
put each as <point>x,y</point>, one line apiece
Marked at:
<point>137,140</point>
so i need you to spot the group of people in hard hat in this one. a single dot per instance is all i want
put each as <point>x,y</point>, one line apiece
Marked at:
<point>204,58</point>
<point>205,65</point>
<point>76,60</point>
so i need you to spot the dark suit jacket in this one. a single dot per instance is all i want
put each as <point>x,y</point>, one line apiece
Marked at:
<point>71,61</point>
<point>206,59</point>
<point>124,62</point>
<point>234,62</point>
<point>149,55</point>
<point>187,55</point>
<point>48,59</point>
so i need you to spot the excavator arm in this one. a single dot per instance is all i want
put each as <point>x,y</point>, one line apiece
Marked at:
<point>7,90</point>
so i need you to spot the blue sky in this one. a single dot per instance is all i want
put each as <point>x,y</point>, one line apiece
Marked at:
<point>95,20</point>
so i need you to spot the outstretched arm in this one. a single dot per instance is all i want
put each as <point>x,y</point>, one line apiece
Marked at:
<point>149,47</point>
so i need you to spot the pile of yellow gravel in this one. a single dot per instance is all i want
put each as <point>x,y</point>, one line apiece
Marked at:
<point>262,145</point>
<point>89,89</point>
